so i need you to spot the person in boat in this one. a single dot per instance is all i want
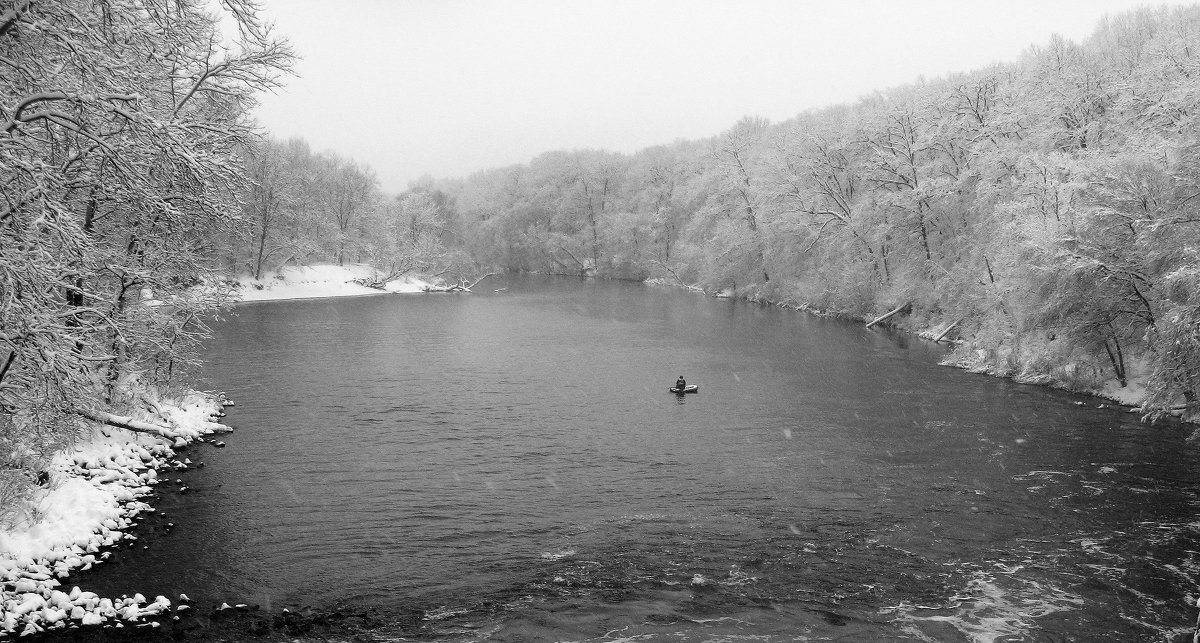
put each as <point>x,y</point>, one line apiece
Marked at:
<point>680,383</point>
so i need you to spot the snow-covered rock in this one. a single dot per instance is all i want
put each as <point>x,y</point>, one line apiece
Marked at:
<point>90,504</point>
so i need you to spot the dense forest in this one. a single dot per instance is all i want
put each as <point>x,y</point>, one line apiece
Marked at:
<point>1043,211</point>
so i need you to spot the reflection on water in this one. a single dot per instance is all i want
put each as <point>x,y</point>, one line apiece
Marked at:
<point>511,466</point>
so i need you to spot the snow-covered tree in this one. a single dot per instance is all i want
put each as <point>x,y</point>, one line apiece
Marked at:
<point>121,126</point>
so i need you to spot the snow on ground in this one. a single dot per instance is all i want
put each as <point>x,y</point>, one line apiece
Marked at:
<point>89,504</point>
<point>309,282</point>
<point>1132,394</point>
<point>93,492</point>
<point>92,496</point>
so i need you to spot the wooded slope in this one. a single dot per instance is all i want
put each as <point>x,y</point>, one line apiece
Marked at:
<point>1049,204</point>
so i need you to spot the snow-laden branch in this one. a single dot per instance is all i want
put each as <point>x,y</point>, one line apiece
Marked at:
<point>461,286</point>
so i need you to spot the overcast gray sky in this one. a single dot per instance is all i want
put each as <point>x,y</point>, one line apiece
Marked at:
<point>449,87</point>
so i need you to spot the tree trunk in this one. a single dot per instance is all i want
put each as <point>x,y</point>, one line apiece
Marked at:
<point>119,348</point>
<point>461,286</point>
<point>262,236</point>
<point>924,232</point>
<point>947,331</point>
<point>1117,359</point>
<point>140,426</point>
<point>126,422</point>
<point>906,304</point>
<point>7,363</point>
<point>1189,414</point>
<point>595,246</point>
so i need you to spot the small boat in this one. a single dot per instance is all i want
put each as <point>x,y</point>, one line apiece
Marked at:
<point>690,388</point>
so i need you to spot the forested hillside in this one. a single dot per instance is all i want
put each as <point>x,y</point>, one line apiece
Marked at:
<point>1048,206</point>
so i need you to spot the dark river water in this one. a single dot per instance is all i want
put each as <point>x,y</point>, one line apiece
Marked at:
<point>509,466</point>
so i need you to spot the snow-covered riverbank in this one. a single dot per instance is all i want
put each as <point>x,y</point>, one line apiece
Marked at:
<point>88,502</point>
<point>94,491</point>
<point>313,282</point>
<point>1131,395</point>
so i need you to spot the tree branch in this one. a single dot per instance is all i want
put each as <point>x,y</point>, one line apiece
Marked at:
<point>479,280</point>
<point>8,19</point>
<point>7,363</point>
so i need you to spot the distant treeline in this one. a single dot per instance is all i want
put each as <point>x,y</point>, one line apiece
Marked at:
<point>304,207</point>
<point>1047,209</point>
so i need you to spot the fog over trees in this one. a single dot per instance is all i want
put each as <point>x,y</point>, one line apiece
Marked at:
<point>1047,208</point>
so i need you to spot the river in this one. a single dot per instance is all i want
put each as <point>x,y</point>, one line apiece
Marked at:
<point>509,466</point>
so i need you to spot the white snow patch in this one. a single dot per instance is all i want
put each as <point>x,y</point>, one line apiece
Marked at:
<point>1132,394</point>
<point>90,503</point>
<point>319,281</point>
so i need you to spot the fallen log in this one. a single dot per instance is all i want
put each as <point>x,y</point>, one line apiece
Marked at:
<point>473,283</point>
<point>947,331</point>
<point>461,286</point>
<point>126,422</point>
<point>370,282</point>
<point>674,274</point>
<point>907,304</point>
<point>450,288</point>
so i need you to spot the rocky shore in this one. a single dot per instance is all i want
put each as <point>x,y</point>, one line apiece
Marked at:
<point>87,506</point>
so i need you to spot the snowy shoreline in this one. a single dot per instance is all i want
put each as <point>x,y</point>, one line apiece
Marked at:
<point>89,504</point>
<point>319,282</point>
<point>93,494</point>
<point>1131,396</point>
